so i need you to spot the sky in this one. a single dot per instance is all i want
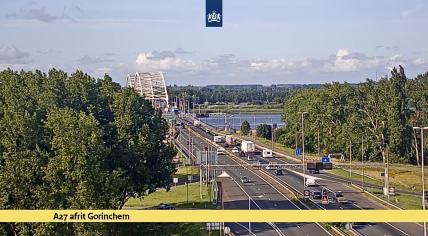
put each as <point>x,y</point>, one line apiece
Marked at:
<point>261,42</point>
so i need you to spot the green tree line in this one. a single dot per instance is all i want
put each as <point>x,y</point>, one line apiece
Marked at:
<point>379,114</point>
<point>200,95</point>
<point>75,142</point>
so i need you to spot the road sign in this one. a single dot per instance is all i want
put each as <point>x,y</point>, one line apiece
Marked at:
<point>298,151</point>
<point>325,159</point>
<point>190,178</point>
<point>175,180</point>
<point>227,230</point>
<point>307,193</point>
<point>382,173</point>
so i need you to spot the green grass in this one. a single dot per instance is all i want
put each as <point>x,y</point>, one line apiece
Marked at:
<point>176,196</point>
<point>183,171</point>
<point>400,176</point>
<point>163,229</point>
<point>356,178</point>
<point>404,201</point>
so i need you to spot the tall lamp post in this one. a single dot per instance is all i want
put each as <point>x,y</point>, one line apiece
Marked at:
<point>422,129</point>
<point>303,152</point>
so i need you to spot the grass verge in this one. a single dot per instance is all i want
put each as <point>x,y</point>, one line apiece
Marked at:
<point>176,196</point>
<point>163,229</point>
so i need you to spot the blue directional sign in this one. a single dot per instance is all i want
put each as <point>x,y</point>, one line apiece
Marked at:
<point>325,159</point>
<point>298,151</point>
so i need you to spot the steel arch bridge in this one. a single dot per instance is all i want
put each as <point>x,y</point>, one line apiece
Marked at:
<point>150,85</point>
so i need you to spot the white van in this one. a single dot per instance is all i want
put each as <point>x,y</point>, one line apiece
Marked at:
<point>310,182</point>
<point>267,153</point>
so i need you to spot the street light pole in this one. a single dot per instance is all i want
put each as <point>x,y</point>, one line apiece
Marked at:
<point>303,153</point>
<point>362,163</point>
<point>249,208</point>
<point>350,161</point>
<point>422,129</point>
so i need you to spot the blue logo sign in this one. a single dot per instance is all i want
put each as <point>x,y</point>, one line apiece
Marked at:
<point>214,13</point>
<point>298,151</point>
<point>325,159</point>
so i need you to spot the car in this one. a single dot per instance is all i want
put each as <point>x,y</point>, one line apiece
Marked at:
<point>339,198</point>
<point>279,172</point>
<point>220,151</point>
<point>164,206</point>
<point>262,162</point>
<point>245,179</point>
<point>314,171</point>
<point>226,145</point>
<point>250,158</point>
<point>235,150</point>
<point>316,195</point>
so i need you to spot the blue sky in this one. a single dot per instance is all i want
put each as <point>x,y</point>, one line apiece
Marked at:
<point>263,42</point>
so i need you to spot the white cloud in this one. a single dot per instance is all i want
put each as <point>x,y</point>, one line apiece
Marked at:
<point>39,14</point>
<point>280,65</point>
<point>419,61</point>
<point>167,61</point>
<point>348,62</point>
<point>12,55</point>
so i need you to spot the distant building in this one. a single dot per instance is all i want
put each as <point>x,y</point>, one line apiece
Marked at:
<point>150,85</point>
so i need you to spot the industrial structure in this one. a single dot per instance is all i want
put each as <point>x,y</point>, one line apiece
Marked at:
<point>150,85</point>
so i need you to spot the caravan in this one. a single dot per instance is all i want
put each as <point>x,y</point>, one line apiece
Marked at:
<point>267,153</point>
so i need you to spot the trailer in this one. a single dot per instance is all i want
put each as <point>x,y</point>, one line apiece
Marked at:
<point>248,148</point>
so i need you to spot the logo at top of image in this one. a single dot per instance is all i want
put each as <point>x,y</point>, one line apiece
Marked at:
<point>214,13</point>
<point>214,17</point>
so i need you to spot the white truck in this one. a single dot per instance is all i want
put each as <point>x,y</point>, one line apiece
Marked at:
<point>197,123</point>
<point>267,153</point>
<point>218,139</point>
<point>248,148</point>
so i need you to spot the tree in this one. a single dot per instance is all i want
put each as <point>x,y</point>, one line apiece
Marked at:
<point>245,128</point>
<point>264,131</point>
<point>76,142</point>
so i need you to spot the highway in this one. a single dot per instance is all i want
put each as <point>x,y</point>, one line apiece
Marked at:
<point>263,195</point>
<point>294,179</point>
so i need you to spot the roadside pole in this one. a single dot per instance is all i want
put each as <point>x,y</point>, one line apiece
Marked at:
<point>200,180</point>
<point>422,129</point>
<point>271,132</point>
<point>303,153</point>
<point>350,161</point>
<point>249,208</point>
<point>362,163</point>
<point>423,178</point>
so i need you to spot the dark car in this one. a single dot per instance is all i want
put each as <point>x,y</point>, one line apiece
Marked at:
<point>245,179</point>
<point>279,172</point>
<point>316,195</point>
<point>164,206</point>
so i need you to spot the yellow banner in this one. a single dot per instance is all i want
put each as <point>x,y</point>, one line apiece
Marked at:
<point>213,215</point>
